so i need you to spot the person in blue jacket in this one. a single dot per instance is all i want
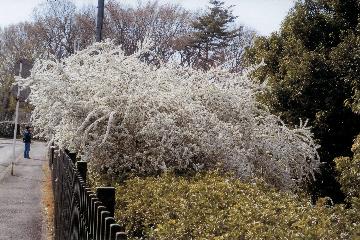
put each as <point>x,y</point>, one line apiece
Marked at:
<point>27,140</point>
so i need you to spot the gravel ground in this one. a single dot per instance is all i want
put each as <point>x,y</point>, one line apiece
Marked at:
<point>21,215</point>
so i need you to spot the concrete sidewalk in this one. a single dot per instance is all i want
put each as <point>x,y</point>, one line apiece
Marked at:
<point>6,153</point>
<point>21,211</point>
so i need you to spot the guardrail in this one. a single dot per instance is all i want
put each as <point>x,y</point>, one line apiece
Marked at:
<point>81,213</point>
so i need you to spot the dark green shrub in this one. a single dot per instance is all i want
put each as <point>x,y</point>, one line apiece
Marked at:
<point>211,206</point>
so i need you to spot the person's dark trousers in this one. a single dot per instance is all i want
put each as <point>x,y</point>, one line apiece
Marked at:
<point>27,150</point>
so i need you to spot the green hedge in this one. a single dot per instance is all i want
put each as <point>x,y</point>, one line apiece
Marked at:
<point>7,129</point>
<point>211,206</point>
<point>349,175</point>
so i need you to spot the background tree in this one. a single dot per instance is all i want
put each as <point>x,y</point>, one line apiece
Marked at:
<point>15,45</point>
<point>59,28</point>
<point>55,26</point>
<point>212,34</point>
<point>311,73</point>
<point>235,51</point>
<point>164,24</point>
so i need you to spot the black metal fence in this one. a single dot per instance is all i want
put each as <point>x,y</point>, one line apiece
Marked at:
<point>81,213</point>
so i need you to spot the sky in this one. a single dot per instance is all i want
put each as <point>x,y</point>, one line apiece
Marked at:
<point>264,16</point>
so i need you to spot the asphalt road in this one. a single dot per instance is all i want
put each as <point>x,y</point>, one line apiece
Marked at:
<point>21,215</point>
<point>6,152</point>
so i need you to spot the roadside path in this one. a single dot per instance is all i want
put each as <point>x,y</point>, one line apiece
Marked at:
<point>6,152</point>
<point>21,215</point>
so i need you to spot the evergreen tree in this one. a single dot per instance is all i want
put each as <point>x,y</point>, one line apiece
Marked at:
<point>212,34</point>
<point>312,67</point>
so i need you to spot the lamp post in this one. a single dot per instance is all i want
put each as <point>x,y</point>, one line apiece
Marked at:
<point>100,20</point>
<point>16,122</point>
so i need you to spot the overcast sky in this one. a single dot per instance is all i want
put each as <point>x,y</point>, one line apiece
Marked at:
<point>264,16</point>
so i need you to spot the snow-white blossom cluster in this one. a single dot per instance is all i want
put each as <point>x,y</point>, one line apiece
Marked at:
<point>130,117</point>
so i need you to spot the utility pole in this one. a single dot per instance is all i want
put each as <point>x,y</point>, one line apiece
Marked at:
<point>100,20</point>
<point>16,121</point>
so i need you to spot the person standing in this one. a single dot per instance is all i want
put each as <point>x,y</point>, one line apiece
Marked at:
<point>27,140</point>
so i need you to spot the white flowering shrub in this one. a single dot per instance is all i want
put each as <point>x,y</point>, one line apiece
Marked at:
<point>130,117</point>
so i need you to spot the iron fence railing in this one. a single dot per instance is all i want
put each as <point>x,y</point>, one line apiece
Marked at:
<point>80,213</point>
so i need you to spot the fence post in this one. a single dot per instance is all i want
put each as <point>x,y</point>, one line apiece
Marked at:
<point>116,228</point>
<point>72,156</point>
<point>82,169</point>
<point>120,236</point>
<point>51,158</point>
<point>103,216</point>
<point>98,215</point>
<point>107,196</point>
<point>108,222</point>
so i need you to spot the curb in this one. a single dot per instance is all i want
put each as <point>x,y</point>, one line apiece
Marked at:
<point>5,173</point>
<point>7,170</point>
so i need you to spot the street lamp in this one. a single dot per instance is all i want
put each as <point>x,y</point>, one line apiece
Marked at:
<point>16,121</point>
